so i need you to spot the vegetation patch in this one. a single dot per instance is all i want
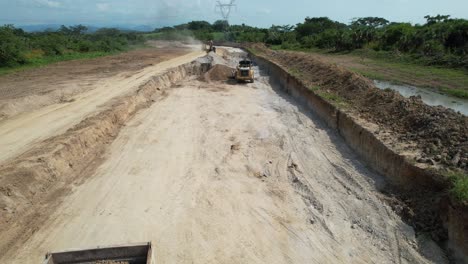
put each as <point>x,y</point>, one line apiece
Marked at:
<point>433,55</point>
<point>333,98</point>
<point>459,189</point>
<point>45,60</point>
<point>442,40</point>
<point>20,49</point>
<point>456,92</point>
<point>314,88</point>
<point>374,75</point>
<point>253,50</point>
<point>295,72</point>
<point>453,82</point>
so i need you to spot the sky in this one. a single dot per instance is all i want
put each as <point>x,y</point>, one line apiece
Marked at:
<point>261,13</point>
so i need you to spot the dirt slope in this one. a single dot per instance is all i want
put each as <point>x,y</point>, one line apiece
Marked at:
<point>432,136</point>
<point>219,173</point>
<point>20,132</point>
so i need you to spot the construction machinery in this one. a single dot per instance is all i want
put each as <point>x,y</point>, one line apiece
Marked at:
<point>210,46</point>
<point>128,254</point>
<point>244,71</point>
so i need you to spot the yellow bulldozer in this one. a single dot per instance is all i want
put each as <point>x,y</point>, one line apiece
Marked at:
<point>244,71</point>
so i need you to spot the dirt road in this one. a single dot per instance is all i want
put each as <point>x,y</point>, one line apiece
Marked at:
<point>32,125</point>
<point>221,173</point>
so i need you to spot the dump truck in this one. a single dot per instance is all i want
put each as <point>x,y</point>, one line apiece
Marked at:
<point>126,254</point>
<point>244,71</point>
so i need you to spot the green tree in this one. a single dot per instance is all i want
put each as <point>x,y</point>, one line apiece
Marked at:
<point>220,25</point>
<point>109,32</point>
<point>365,30</point>
<point>12,46</point>
<point>73,30</point>
<point>457,37</point>
<point>371,22</point>
<point>394,34</point>
<point>52,43</point>
<point>316,25</point>
<point>436,19</point>
<point>78,30</point>
<point>276,35</point>
<point>199,25</point>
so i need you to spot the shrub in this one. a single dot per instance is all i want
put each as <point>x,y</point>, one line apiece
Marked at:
<point>459,186</point>
<point>11,47</point>
<point>51,43</point>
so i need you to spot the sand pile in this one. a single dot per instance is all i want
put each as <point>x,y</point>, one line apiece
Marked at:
<point>219,72</point>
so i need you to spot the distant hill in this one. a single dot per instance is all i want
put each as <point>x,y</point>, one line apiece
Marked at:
<point>36,28</point>
<point>142,28</point>
<point>91,28</point>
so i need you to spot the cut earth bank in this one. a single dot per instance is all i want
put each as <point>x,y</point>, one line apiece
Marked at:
<point>422,149</point>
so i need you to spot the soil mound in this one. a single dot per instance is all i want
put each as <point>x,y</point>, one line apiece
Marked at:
<point>219,72</point>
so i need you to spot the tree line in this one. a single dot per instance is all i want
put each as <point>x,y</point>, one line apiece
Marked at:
<point>18,47</point>
<point>441,40</point>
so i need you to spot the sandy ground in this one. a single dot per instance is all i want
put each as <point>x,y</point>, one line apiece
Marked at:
<point>221,173</point>
<point>69,75</point>
<point>36,117</point>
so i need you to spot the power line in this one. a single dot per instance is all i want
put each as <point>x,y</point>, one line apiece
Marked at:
<point>225,9</point>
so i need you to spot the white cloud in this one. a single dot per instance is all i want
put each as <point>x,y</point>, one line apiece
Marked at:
<point>48,3</point>
<point>183,9</point>
<point>265,10</point>
<point>103,7</point>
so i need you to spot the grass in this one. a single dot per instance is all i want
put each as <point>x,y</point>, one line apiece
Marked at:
<point>329,96</point>
<point>40,62</point>
<point>254,51</point>
<point>150,36</point>
<point>386,66</point>
<point>459,189</point>
<point>314,88</point>
<point>456,92</point>
<point>425,71</point>
<point>374,75</point>
<point>335,99</point>
<point>218,36</point>
<point>295,72</point>
<point>297,48</point>
<point>450,81</point>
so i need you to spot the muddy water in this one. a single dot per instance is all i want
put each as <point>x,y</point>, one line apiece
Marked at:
<point>429,97</point>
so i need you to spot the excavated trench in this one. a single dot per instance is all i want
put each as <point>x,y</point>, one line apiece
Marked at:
<point>34,183</point>
<point>243,173</point>
<point>418,194</point>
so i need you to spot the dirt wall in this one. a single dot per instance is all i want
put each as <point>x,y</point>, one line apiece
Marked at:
<point>42,175</point>
<point>434,136</point>
<point>379,156</point>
